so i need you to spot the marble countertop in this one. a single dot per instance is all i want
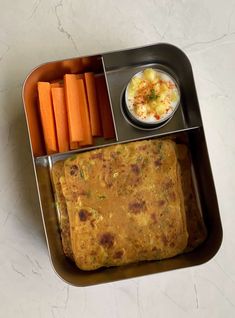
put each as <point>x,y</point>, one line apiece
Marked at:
<point>33,32</point>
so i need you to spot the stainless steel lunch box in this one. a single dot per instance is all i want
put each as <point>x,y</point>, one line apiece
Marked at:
<point>186,126</point>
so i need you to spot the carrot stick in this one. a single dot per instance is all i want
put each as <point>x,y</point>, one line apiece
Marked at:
<point>47,116</point>
<point>31,110</point>
<point>73,145</point>
<point>73,108</point>
<point>104,107</point>
<point>84,114</point>
<point>61,120</point>
<point>93,104</point>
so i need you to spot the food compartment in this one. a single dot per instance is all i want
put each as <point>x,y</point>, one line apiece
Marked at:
<point>67,106</point>
<point>203,183</point>
<point>151,98</point>
<point>121,66</point>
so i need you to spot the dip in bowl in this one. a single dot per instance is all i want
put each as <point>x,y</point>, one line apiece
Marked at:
<point>152,96</point>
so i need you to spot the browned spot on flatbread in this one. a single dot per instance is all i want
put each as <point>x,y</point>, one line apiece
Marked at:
<point>98,155</point>
<point>135,168</point>
<point>118,254</point>
<point>113,154</point>
<point>107,240</point>
<point>160,203</point>
<point>165,240</point>
<point>83,215</point>
<point>93,223</point>
<point>168,184</point>
<point>74,170</point>
<point>109,183</point>
<point>137,206</point>
<point>143,147</point>
<point>154,217</point>
<point>158,162</point>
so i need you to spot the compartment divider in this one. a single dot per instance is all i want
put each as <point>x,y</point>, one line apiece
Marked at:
<point>110,100</point>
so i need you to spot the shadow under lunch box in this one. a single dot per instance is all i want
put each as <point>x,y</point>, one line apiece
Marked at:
<point>186,126</point>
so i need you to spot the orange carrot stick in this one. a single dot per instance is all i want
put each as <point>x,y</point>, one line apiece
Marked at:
<point>47,117</point>
<point>32,113</point>
<point>93,104</point>
<point>73,145</point>
<point>84,114</point>
<point>61,120</point>
<point>104,107</point>
<point>73,108</point>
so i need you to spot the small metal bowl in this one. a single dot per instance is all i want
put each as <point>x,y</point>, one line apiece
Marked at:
<point>144,124</point>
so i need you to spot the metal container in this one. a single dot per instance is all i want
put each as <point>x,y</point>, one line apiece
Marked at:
<point>185,126</point>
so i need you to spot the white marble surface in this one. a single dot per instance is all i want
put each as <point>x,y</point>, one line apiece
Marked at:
<point>32,32</point>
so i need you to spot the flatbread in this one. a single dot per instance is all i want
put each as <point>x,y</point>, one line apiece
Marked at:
<point>57,173</point>
<point>125,204</point>
<point>195,223</point>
